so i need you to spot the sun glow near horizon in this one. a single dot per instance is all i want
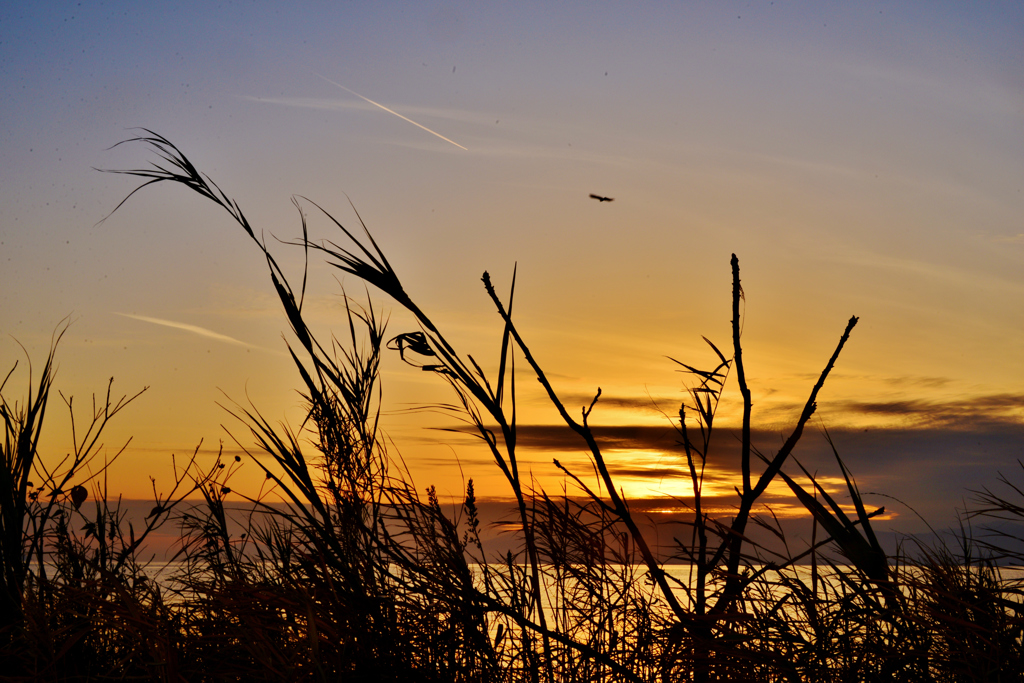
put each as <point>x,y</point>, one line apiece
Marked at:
<point>859,159</point>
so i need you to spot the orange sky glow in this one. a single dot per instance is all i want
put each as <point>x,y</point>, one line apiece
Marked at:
<point>860,160</point>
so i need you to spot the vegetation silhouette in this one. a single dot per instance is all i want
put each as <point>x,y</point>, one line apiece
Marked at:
<point>356,576</point>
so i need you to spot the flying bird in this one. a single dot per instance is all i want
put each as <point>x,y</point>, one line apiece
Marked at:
<point>602,199</point>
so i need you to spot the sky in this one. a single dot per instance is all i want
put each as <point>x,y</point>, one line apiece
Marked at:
<point>859,158</point>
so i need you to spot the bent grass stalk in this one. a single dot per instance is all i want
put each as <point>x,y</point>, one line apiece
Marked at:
<point>338,567</point>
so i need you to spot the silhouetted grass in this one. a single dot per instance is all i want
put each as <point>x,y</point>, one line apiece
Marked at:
<point>356,576</point>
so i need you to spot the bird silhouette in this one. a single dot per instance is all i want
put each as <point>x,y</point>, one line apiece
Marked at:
<point>602,199</point>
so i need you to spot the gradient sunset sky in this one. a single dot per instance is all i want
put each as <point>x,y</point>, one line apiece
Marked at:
<point>860,159</point>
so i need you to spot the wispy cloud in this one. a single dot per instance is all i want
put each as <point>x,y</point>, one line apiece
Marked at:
<point>968,412</point>
<point>195,329</point>
<point>903,381</point>
<point>522,137</point>
<point>462,116</point>
<point>307,102</point>
<point>559,437</point>
<point>391,111</point>
<point>656,404</point>
<point>932,465</point>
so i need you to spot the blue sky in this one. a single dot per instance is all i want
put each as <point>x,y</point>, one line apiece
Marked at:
<point>860,159</point>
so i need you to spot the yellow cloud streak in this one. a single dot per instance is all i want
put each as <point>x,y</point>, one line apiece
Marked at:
<point>195,329</point>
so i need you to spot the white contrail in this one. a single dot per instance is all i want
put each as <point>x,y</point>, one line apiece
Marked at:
<point>202,331</point>
<point>390,111</point>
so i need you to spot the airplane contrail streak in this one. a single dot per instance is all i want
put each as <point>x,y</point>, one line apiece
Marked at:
<point>390,111</point>
<point>202,331</point>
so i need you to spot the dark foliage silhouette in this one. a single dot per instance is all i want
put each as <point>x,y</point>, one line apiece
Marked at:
<point>339,569</point>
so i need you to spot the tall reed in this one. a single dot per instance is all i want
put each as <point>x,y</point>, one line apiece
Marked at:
<point>340,568</point>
